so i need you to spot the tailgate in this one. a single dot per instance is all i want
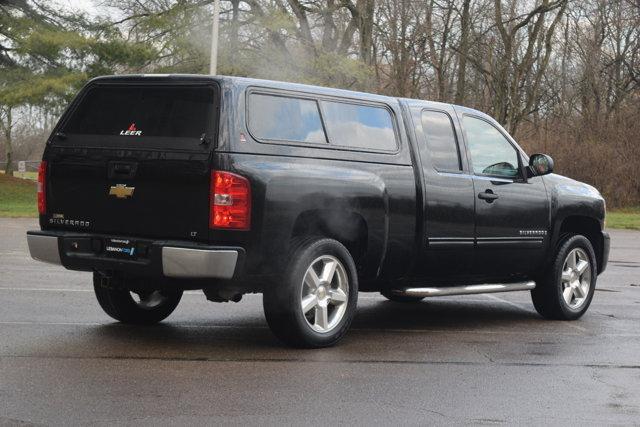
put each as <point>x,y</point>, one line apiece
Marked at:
<point>134,160</point>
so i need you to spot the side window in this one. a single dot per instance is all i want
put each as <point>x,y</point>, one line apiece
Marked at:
<point>280,118</point>
<point>359,126</point>
<point>441,141</point>
<point>491,153</point>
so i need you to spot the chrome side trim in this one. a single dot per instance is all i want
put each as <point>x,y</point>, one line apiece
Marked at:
<point>523,242</point>
<point>447,242</point>
<point>501,239</point>
<point>466,290</point>
<point>44,248</point>
<point>198,263</point>
<point>506,242</point>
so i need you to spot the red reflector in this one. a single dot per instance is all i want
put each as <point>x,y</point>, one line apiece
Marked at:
<point>230,201</point>
<point>42,188</point>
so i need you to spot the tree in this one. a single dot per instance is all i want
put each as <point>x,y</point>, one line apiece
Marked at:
<point>46,55</point>
<point>463,51</point>
<point>522,62</point>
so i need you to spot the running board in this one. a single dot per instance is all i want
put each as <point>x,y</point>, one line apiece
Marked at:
<point>465,290</point>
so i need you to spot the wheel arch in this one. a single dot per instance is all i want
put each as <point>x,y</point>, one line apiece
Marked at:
<point>347,227</point>
<point>588,227</point>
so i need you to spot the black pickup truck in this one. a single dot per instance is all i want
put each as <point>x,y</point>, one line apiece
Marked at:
<point>163,183</point>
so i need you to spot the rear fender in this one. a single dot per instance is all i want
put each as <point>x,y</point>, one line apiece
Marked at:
<point>311,196</point>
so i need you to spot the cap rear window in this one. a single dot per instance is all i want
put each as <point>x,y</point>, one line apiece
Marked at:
<point>143,111</point>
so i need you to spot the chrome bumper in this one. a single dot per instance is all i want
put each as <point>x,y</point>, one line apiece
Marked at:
<point>44,248</point>
<point>197,263</point>
<point>174,261</point>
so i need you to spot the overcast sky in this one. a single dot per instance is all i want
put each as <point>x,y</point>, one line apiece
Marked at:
<point>87,6</point>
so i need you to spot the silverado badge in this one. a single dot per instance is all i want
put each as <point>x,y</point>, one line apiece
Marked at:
<point>121,191</point>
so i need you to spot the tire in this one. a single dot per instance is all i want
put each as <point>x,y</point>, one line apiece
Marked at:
<point>118,302</point>
<point>563,292</point>
<point>388,294</point>
<point>330,304</point>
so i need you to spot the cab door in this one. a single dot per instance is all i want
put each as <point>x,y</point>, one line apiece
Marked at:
<point>448,197</point>
<point>512,211</point>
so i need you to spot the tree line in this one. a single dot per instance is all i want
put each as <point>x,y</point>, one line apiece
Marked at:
<point>562,76</point>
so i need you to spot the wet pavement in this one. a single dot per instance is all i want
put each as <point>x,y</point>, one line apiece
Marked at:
<point>478,359</point>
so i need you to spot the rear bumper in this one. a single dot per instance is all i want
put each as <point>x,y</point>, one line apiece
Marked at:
<point>173,259</point>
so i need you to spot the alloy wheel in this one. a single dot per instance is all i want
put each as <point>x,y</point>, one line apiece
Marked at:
<point>325,293</point>
<point>576,278</point>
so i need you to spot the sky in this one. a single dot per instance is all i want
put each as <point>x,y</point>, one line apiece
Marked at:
<point>88,6</point>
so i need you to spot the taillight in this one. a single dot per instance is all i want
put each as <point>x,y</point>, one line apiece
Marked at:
<point>42,188</point>
<point>230,201</point>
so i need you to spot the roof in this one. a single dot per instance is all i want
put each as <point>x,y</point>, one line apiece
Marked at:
<point>247,82</point>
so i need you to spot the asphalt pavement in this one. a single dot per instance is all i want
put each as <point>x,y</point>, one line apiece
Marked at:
<point>478,359</point>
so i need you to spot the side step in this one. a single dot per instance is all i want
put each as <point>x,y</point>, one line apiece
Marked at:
<point>466,290</point>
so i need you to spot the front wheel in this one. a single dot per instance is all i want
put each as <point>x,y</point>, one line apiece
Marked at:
<point>140,307</point>
<point>315,301</point>
<point>566,289</point>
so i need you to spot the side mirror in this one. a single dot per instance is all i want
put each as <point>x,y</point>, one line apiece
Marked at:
<point>540,164</point>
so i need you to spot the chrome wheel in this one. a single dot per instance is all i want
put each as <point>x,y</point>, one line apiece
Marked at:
<point>148,300</point>
<point>325,293</point>
<point>576,278</point>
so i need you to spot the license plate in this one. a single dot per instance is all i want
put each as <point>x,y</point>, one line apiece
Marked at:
<point>121,248</point>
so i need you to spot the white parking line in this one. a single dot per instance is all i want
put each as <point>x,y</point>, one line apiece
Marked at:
<point>68,290</point>
<point>54,323</point>
<point>16,289</point>
<point>366,330</point>
<point>571,324</point>
<point>211,326</point>
<point>363,296</point>
<point>568,324</point>
<point>495,298</point>
<point>360,297</point>
<point>45,290</point>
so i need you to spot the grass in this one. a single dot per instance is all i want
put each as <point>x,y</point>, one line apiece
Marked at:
<point>24,175</point>
<point>17,197</point>
<point>627,218</point>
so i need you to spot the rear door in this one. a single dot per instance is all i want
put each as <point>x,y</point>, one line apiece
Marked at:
<point>512,213</point>
<point>133,159</point>
<point>449,199</point>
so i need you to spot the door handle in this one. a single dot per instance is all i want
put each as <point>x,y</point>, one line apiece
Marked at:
<point>488,196</point>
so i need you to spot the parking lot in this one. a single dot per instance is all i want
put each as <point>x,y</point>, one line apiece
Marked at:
<point>481,359</point>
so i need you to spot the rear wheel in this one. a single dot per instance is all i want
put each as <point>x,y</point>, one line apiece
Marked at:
<point>388,294</point>
<point>140,307</point>
<point>315,301</point>
<point>566,289</point>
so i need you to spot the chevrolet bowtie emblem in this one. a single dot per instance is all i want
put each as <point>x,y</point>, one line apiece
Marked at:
<point>121,191</point>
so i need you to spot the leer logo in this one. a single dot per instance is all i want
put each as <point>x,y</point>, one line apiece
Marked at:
<point>131,131</point>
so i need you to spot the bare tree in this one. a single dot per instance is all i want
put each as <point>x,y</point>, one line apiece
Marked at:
<point>7,124</point>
